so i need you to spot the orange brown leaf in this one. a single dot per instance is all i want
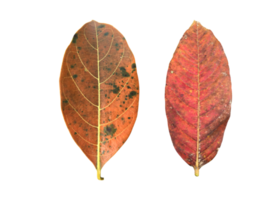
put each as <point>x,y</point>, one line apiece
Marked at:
<point>99,91</point>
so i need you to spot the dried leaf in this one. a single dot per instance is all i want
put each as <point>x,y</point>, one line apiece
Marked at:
<point>99,91</point>
<point>198,96</point>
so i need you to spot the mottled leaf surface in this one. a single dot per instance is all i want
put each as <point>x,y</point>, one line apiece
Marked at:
<point>99,91</point>
<point>198,96</point>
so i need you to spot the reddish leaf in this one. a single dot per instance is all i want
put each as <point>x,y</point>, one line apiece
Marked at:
<point>198,96</point>
<point>99,91</point>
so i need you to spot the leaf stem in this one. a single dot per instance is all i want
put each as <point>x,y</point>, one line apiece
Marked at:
<point>99,177</point>
<point>196,172</point>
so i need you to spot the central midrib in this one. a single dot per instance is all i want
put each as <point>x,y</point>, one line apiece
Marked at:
<point>98,139</point>
<point>198,109</point>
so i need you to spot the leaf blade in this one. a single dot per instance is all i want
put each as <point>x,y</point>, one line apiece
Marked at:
<point>91,78</point>
<point>198,96</point>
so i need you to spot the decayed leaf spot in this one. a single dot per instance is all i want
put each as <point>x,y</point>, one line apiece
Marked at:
<point>109,130</point>
<point>198,96</point>
<point>97,77</point>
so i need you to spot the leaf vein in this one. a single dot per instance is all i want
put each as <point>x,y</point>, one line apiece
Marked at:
<point>184,82</point>
<point>181,99</point>
<point>79,88</point>
<point>116,67</point>
<point>181,116</point>
<point>109,47</point>
<point>83,138</point>
<point>121,114</point>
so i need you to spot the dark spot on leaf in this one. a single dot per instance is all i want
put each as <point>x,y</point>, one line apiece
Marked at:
<point>65,101</point>
<point>116,89</point>
<point>79,48</point>
<point>128,87</point>
<point>75,76</point>
<point>109,130</point>
<point>72,66</point>
<point>75,133</point>
<point>75,37</point>
<point>134,65</point>
<point>101,26</point>
<point>105,34</point>
<point>124,72</point>
<point>132,93</point>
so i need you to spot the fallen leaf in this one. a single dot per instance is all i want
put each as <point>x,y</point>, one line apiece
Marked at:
<point>99,91</point>
<point>198,96</point>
